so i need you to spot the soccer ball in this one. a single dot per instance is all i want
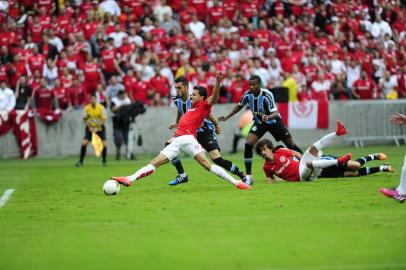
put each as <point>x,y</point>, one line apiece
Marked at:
<point>111,187</point>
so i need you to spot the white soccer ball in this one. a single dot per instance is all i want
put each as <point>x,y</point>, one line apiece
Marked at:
<point>111,187</point>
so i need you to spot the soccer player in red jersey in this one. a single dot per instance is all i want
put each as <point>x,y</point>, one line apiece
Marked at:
<point>281,162</point>
<point>185,139</point>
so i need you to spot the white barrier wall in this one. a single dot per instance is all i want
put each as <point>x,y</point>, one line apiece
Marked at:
<point>64,138</point>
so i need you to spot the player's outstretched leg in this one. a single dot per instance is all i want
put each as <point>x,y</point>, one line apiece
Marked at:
<point>370,157</point>
<point>143,172</point>
<point>201,158</point>
<point>398,194</point>
<point>181,178</point>
<point>329,139</point>
<point>372,170</point>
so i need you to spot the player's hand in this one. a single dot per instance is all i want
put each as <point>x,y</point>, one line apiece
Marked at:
<point>265,118</point>
<point>222,118</point>
<point>398,119</point>
<point>270,180</point>
<point>173,125</point>
<point>219,76</point>
<point>218,129</point>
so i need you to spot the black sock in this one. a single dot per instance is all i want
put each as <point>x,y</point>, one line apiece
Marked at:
<point>82,153</point>
<point>104,154</point>
<point>363,160</point>
<point>229,166</point>
<point>178,165</point>
<point>235,142</point>
<point>368,170</point>
<point>248,158</point>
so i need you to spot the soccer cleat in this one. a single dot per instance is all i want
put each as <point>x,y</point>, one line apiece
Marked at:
<point>340,129</point>
<point>387,168</point>
<point>380,156</point>
<point>178,180</point>
<point>242,185</point>
<point>79,164</point>
<point>248,180</point>
<point>394,194</point>
<point>122,180</point>
<point>344,159</point>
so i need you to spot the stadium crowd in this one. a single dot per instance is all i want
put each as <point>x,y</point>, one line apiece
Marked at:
<point>55,54</point>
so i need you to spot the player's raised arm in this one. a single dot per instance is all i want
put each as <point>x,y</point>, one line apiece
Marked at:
<point>216,91</point>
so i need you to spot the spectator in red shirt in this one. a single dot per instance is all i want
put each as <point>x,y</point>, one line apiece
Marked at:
<point>110,64</point>
<point>63,96</point>
<point>161,86</point>
<point>92,75</point>
<point>364,87</point>
<point>237,88</point>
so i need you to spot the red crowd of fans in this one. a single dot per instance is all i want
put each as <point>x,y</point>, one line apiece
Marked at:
<point>66,51</point>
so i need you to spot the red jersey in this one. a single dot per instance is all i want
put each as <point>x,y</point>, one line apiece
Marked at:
<point>108,57</point>
<point>364,88</point>
<point>283,166</point>
<point>193,118</point>
<point>44,98</point>
<point>91,72</point>
<point>63,97</point>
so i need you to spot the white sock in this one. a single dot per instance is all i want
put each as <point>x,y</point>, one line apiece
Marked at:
<point>326,141</point>
<point>321,163</point>
<point>223,174</point>
<point>143,172</point>
<point>402,186</point>
<point>183,175</point>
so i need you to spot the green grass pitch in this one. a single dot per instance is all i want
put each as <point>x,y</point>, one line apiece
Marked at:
<point>59,218</point>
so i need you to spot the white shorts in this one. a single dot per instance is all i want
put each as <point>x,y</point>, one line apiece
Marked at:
<point>307,174</point>
<point>186,144</point>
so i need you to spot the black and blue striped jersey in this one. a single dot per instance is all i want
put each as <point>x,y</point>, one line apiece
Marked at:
<point>263,104</point>
<point>183,107</point>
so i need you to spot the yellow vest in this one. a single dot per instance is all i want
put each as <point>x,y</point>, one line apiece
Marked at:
<point>290,83</point>
<point>94,113</point>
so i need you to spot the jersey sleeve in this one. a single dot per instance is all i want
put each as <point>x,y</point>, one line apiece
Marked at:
<point>243,100</point>
<point>267,171</point>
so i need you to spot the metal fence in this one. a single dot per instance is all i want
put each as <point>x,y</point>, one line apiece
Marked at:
<point>369,121</point>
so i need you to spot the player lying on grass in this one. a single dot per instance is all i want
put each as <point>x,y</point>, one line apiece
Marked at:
<point>185,139</point>
<point>399,193</point>
<point>206,136</point>
<point>351,168</point>
<point>281,162</point>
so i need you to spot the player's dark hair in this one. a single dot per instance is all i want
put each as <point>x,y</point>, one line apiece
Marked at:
<point>261,144</point>
<point>202,91</point>
<point>183,80</point>
<point>255,78</point>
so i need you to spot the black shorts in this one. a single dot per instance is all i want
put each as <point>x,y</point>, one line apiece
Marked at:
<point>101,133</point>
<point>208,140</point>
<point>278,130</point>
<point>332,171</point>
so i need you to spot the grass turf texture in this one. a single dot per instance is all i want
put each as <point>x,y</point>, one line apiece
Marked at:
<point>59,218</point>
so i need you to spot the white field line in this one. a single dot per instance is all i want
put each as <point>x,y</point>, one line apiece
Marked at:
<point>6,196</point>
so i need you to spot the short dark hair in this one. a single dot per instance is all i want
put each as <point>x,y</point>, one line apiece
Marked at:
<point>255,78</point>
<point>202,91</point>
<point>183,80</point>
<point>261,144</point>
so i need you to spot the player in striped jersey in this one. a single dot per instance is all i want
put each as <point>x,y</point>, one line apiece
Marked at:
<point>206,135</point>
<point>266,118</point>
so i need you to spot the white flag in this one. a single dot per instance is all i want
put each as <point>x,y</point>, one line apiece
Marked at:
<point>303,115</point>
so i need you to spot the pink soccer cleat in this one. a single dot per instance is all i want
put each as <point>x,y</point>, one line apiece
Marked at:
<point>242,185</point>
<point>394,194</point>
<point>340,129</point>
<point>122,180</point>
<point>344,159</point>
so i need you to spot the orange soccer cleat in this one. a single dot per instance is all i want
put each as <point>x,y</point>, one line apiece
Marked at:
<point>340,129</point>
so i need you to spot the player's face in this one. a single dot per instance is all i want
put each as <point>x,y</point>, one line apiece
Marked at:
<point>266,153</point>
<point>181,90</point>
<point>196,97</point>
<point>254,86</point>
